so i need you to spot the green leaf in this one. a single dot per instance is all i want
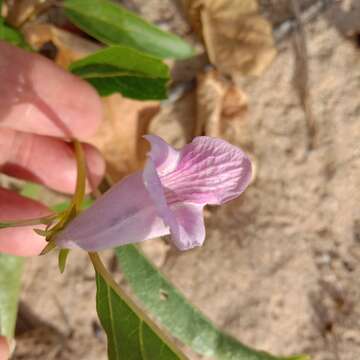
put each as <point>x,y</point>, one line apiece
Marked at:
<point>63,255</point>
<point>125,70</point>
<point>10,273</point>
<point>13,36</point>
<point>182,319</point>
<point>113,25</point>
<point>129,336</point>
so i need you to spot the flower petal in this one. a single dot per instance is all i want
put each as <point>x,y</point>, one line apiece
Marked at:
<point>167,197</point>
<point>156,192</point>
<point>209,171</point>
<point>164,156</point>
<point>184,220</point>
<point>125,214</point>
<point>190,229</point>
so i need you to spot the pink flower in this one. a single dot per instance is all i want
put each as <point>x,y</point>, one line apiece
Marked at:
<point>167,197</point>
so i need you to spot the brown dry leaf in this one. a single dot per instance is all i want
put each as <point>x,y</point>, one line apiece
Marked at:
<point>210,94</point>
<point>119,137</point>
<point>237,38</point>
<point>70,47</point>
<point>20,11</point>
<point>222,110</point>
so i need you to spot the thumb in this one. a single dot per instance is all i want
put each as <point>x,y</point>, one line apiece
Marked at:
<point>4,349</point>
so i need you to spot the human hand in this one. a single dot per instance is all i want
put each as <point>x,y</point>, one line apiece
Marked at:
<point>41,106</point>
<point>4,348</point>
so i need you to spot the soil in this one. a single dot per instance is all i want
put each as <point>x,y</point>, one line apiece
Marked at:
<point>280,266</point>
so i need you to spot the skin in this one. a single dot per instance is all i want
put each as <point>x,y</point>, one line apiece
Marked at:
<point>42,107</point>
<point>4,349</point>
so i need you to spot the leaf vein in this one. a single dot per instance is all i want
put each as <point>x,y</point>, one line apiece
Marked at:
<point>112,322</point>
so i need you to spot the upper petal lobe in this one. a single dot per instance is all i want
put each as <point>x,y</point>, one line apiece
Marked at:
<point>209,171</point>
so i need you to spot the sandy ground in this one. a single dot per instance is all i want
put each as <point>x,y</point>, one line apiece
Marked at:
<point>279,269</point>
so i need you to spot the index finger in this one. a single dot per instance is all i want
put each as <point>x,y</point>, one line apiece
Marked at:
<point>4,349</point>
<point>20,241</point>
<point>38,96</point>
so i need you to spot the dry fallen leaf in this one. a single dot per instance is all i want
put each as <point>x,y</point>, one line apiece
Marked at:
<point>20,11</point>
<point>222,110</point>
<point>119,137</point>
<point>221,106</point>
<point>237,38</point>
<point>210,94</point>
<point>70,47</point>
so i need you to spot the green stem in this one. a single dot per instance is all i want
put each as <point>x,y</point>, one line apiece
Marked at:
<point>63,255</point>
<point>75,206</point>
<point>29,222</point>
<point>81,176</point>
<point>100,269</point>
